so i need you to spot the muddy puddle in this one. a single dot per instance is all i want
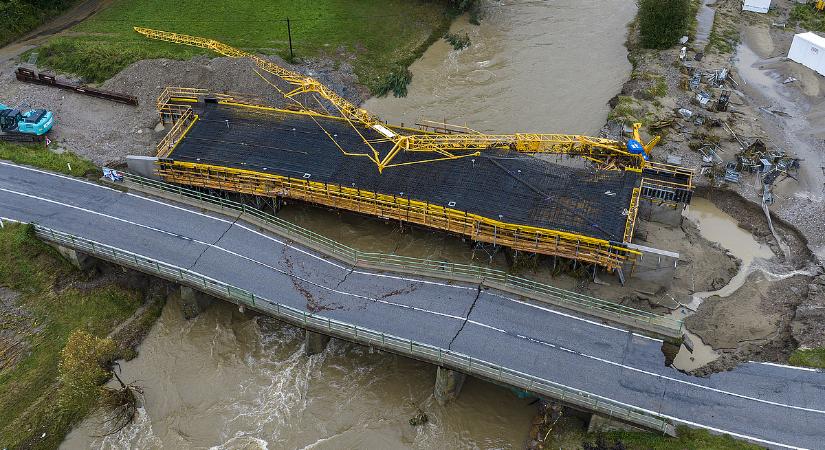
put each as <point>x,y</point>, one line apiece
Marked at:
<point>531,67</point>
<point>694,353</point>
<point>704,21</point>
<point>717,226</point>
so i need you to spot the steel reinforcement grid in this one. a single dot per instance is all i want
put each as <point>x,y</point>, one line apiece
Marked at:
<point>406,347</point>
<point>643,320</point>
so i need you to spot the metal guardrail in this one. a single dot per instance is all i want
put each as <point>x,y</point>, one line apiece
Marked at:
<point>365,336</point>
<point>664,325</point>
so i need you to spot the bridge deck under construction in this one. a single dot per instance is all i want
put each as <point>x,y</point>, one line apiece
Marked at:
<point>505,198</point>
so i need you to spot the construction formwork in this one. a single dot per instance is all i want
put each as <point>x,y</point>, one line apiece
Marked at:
<point>502,198</point>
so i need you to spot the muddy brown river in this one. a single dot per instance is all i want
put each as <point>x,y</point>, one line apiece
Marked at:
<point>532,66</point>
<point>232,380</point>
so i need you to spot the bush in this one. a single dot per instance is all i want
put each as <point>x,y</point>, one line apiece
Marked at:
<point>396,82</point>
<point>458,41</point>
<point>663,22</point>
<point>84,367</point>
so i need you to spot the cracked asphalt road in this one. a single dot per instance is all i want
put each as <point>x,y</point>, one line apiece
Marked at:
<point>775,405</point>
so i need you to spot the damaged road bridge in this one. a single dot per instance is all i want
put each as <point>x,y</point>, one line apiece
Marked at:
<point>467,327</point>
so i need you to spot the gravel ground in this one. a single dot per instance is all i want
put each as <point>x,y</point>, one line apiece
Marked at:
<point>105,132</point>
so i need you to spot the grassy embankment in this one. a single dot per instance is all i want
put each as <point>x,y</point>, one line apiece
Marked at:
<point>28,386</point>
<point>814,358</point>
<point>18,17</point>
<point>384,36</point>
<point>67,163</point>
<point>688,439</point>
<point>808,17</point>
<point>52,304</point>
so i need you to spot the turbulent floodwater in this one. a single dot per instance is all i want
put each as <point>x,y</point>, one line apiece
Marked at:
<point>532,66</point>
<point>229,380</point>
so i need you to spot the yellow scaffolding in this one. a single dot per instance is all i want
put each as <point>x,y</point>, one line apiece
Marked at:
<point>525,238</point>
<point>608,154</point>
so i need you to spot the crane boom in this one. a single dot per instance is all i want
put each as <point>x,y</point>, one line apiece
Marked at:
<point>605,152</point>
<point>303,84</point>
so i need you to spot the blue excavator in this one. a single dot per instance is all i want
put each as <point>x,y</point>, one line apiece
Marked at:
<point>17,125</point>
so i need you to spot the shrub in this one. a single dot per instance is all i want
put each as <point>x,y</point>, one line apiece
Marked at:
<point>458,41</point>
<point>663,22</point>
<point>396,82</point>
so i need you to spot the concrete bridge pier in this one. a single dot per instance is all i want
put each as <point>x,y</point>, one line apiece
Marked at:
<point>193,302</point>
<point>315,343</point>
<point>78,259</point>
<point>448,384</point>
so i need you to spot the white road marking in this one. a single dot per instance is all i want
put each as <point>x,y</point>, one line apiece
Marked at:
<point>460,318</point>
<point>752,438</point>
<point>325,260</point>
<point>411,307</point>
<point>785,366</point>
<point>58,175</point>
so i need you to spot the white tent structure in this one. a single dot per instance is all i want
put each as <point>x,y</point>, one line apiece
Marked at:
<point>808,49</point>
<point>760,6</point>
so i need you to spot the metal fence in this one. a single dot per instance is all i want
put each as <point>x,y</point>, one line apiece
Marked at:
<point>407,347</point>
<point>645,320</point>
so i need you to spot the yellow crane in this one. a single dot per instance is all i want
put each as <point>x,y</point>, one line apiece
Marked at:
<point>607,153</point>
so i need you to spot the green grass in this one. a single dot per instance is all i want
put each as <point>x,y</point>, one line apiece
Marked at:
<point>814,357</point>
<point>658,83</point>
<point>33,269</point>
<point>383,35</point>
<point>626,110</point>
<point>687,439</point>
<point>571,434</point>
<point>458,41</point>
<point>18,17</point>
<point>724,35</point>
<point>39,156</point>
<point>808,17</point>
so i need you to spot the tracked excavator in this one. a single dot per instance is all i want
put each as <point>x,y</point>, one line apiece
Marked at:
<point>17,125</point>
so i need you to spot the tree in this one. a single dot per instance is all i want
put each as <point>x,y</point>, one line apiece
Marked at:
<point>86,363</point>
<point>663,22</point>
<point>84,366</point>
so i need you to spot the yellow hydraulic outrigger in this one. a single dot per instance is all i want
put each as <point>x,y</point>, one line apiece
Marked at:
<point>607,153</point>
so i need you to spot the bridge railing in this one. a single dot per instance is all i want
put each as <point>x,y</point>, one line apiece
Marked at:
<point>361,335</point>
<point>644,320</point>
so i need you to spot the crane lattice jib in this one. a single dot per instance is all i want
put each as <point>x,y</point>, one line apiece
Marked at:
<point>597,148</point>
<point>303,83</point>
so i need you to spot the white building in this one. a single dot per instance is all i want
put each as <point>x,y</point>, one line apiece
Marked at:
<point>808,49</point>
<point>760,6</point>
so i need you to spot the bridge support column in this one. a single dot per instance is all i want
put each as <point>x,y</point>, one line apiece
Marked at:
<point>78,259</point>
<point>193,302</point>
<point>315,343</point>
<point>600,424</point>
<point>448,384</point>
